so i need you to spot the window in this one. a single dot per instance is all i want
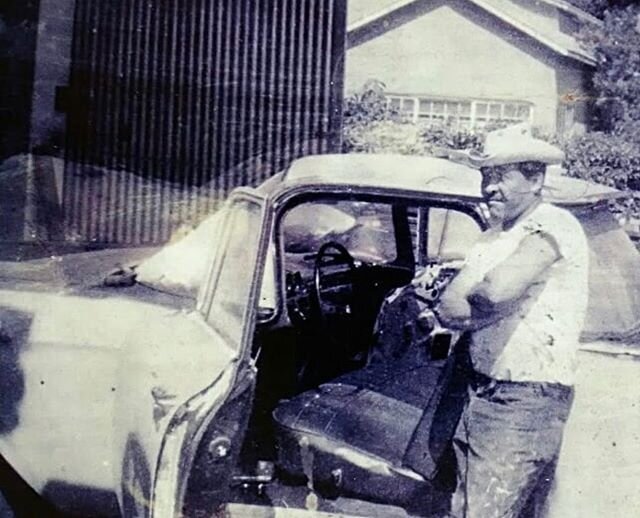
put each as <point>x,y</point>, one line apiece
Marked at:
<point>565,118</point>
<point>450,234</point>
<point>235,278</point>
<point>364,228</point>
<point>442,234</point>
<point>462,113</point>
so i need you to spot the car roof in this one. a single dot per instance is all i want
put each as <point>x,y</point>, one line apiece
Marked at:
<point>401,172</point>
<point>420,174</point>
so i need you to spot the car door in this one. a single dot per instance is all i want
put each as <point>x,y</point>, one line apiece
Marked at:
<point>444,235</point>
<point>203,439</point>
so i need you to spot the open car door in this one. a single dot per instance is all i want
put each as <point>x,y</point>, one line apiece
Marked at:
<point>203,439</point>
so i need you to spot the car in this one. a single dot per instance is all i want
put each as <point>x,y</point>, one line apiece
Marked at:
<point>299,367</point>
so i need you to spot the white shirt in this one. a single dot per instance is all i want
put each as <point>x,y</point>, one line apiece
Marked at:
<point>539,341</point>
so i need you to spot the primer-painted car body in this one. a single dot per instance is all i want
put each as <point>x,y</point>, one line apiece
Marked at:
<point>106,390</point>
<point>114,393</point>
<point>99,380</point>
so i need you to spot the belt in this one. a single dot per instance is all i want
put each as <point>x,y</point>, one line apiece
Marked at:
<point>483,384</point>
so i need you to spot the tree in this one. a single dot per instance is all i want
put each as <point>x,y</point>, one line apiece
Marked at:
<point>616,81</point>
<point>593,7</point>
<point>611,153</point>
<point>597,8</point>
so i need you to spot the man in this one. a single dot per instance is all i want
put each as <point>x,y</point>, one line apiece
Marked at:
<point>522,294</point>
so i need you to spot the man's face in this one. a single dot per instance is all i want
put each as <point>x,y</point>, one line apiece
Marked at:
<point>508,192</point>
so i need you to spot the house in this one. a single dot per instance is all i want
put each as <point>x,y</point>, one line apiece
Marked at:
<point>474,61</point>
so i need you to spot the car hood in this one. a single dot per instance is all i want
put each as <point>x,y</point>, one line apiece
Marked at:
<point>71,270</point>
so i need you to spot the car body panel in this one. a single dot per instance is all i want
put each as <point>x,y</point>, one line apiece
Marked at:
<point>97,372</point>
<point>202,423</point>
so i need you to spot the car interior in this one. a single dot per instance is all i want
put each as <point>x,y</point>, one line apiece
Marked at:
<point>353,370</point>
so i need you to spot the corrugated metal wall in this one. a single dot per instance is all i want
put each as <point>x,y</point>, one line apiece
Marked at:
<point>175,102</point>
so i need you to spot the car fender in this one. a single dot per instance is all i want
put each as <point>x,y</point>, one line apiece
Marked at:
<point>90,386</point>
<point>160,377</point>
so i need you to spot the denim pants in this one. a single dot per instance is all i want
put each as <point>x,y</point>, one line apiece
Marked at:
<point>507,444</point>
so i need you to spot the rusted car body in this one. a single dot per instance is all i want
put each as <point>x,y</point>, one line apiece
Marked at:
<point>282,383</point>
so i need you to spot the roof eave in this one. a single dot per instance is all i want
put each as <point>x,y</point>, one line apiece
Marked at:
<point>583,57</point>
<point>363,22</point>
<point>575,11</point>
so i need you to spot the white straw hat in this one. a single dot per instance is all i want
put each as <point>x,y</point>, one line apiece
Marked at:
<point>512,145</point>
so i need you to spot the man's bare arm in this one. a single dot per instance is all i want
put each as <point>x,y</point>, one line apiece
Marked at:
<point>501,290</point>
<point>454,310</point>
<point>508,283</point>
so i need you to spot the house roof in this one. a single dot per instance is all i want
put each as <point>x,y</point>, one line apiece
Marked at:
<point>362,16</point>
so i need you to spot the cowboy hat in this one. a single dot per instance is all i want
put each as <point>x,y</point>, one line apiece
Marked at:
<point>512,145</point>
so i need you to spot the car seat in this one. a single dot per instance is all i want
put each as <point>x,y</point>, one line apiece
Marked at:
<point>380,433</point>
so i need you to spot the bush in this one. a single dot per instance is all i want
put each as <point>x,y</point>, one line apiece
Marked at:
<point>372,126</point>
<point>610,160</point>
<point>607,159</point>
<point>617,76</point>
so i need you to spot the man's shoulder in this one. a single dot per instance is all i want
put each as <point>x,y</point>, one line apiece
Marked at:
<point>563,227</point>
<point>552,218</point>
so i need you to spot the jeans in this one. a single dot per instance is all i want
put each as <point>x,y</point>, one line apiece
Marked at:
<point>507,444</point>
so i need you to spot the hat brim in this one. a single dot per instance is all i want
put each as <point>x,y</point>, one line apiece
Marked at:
<point>552,156</point>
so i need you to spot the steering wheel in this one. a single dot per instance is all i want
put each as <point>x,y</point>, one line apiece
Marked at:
<point>330,254</point>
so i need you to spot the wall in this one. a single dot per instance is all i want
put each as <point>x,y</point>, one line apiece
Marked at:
<point>575,98</point>
<point>176,103</point>
<point>475,57</point>
<point>52,65</point>
<point>360,9</point>
<point>18,26</point>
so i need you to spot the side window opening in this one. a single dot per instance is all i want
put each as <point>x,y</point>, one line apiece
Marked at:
<point>365,228</point>
<point>441,234</point>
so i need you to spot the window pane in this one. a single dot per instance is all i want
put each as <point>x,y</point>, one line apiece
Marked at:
<point>451,234</point>
<point>465,109</point>
<point>524,112</point>
<point>495,111</point>
<point>438,107</point>
<point>510,110</point>
<point>233,285</point>
<point>425,107</point>
<point>408,104</point>
<point>394,103</point>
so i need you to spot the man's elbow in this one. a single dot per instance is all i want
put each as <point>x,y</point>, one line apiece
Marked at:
<point>492,295</point>
<point>453,312</point>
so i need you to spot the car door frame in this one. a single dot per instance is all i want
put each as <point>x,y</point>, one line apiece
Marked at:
<point>191,420</point>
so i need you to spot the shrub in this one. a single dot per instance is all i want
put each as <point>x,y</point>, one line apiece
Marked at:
<point>607,159</point>
<point>610,160</point>
<point>370,126</point>
<point>616,80</point>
